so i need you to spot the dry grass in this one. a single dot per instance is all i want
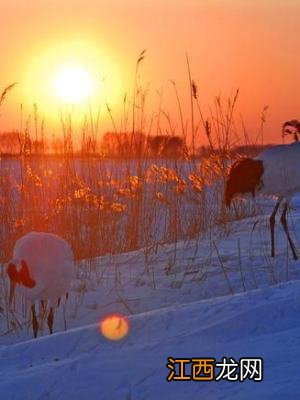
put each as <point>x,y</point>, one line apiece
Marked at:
<point>103,206</point>
<point>106,206</point>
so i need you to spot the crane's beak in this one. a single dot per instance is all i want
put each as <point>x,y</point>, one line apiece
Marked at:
<point>11,292</point>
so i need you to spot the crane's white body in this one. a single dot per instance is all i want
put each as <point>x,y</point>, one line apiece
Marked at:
<point>281,177</point>
<point>274,172</point>
<point>51,264</point>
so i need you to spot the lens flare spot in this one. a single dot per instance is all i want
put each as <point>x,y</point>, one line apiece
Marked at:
<point>114,327</point>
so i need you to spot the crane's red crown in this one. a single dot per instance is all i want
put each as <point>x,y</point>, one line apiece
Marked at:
<point>21,276</point>
<point>244,177</point>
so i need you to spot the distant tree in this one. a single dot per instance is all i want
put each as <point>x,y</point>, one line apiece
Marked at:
<point>166,146</point>
<point>10,143</point>
<point>156,144</point>
<point>123,144</point>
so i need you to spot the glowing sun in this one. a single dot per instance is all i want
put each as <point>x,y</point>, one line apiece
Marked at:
<point>71,75</point>
<point>73,84</point>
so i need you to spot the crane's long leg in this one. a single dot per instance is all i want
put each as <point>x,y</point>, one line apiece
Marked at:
<point>286,230</point>
<point>35,325</point>
<point>50,320</point>
<point>272,226</point>
<point>43,310</point>
<point>43,304</point>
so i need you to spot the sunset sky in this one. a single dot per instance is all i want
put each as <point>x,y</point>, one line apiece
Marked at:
<point>247,44</point>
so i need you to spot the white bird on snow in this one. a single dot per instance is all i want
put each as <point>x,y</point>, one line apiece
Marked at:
<point>274,172</point>
<point>43,264</point>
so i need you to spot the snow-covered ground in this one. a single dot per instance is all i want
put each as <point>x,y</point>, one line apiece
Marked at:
<point>219,296</point>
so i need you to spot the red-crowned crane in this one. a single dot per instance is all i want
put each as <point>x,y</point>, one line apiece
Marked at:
<point>274,172</point>
<point>43,265</point>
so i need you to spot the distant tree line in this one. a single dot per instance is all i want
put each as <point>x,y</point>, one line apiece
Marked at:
<point>138,144</point>
<point>111,145</point>
<point>14,143</point>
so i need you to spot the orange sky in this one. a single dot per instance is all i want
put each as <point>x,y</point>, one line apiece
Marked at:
<point>247,44</point>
